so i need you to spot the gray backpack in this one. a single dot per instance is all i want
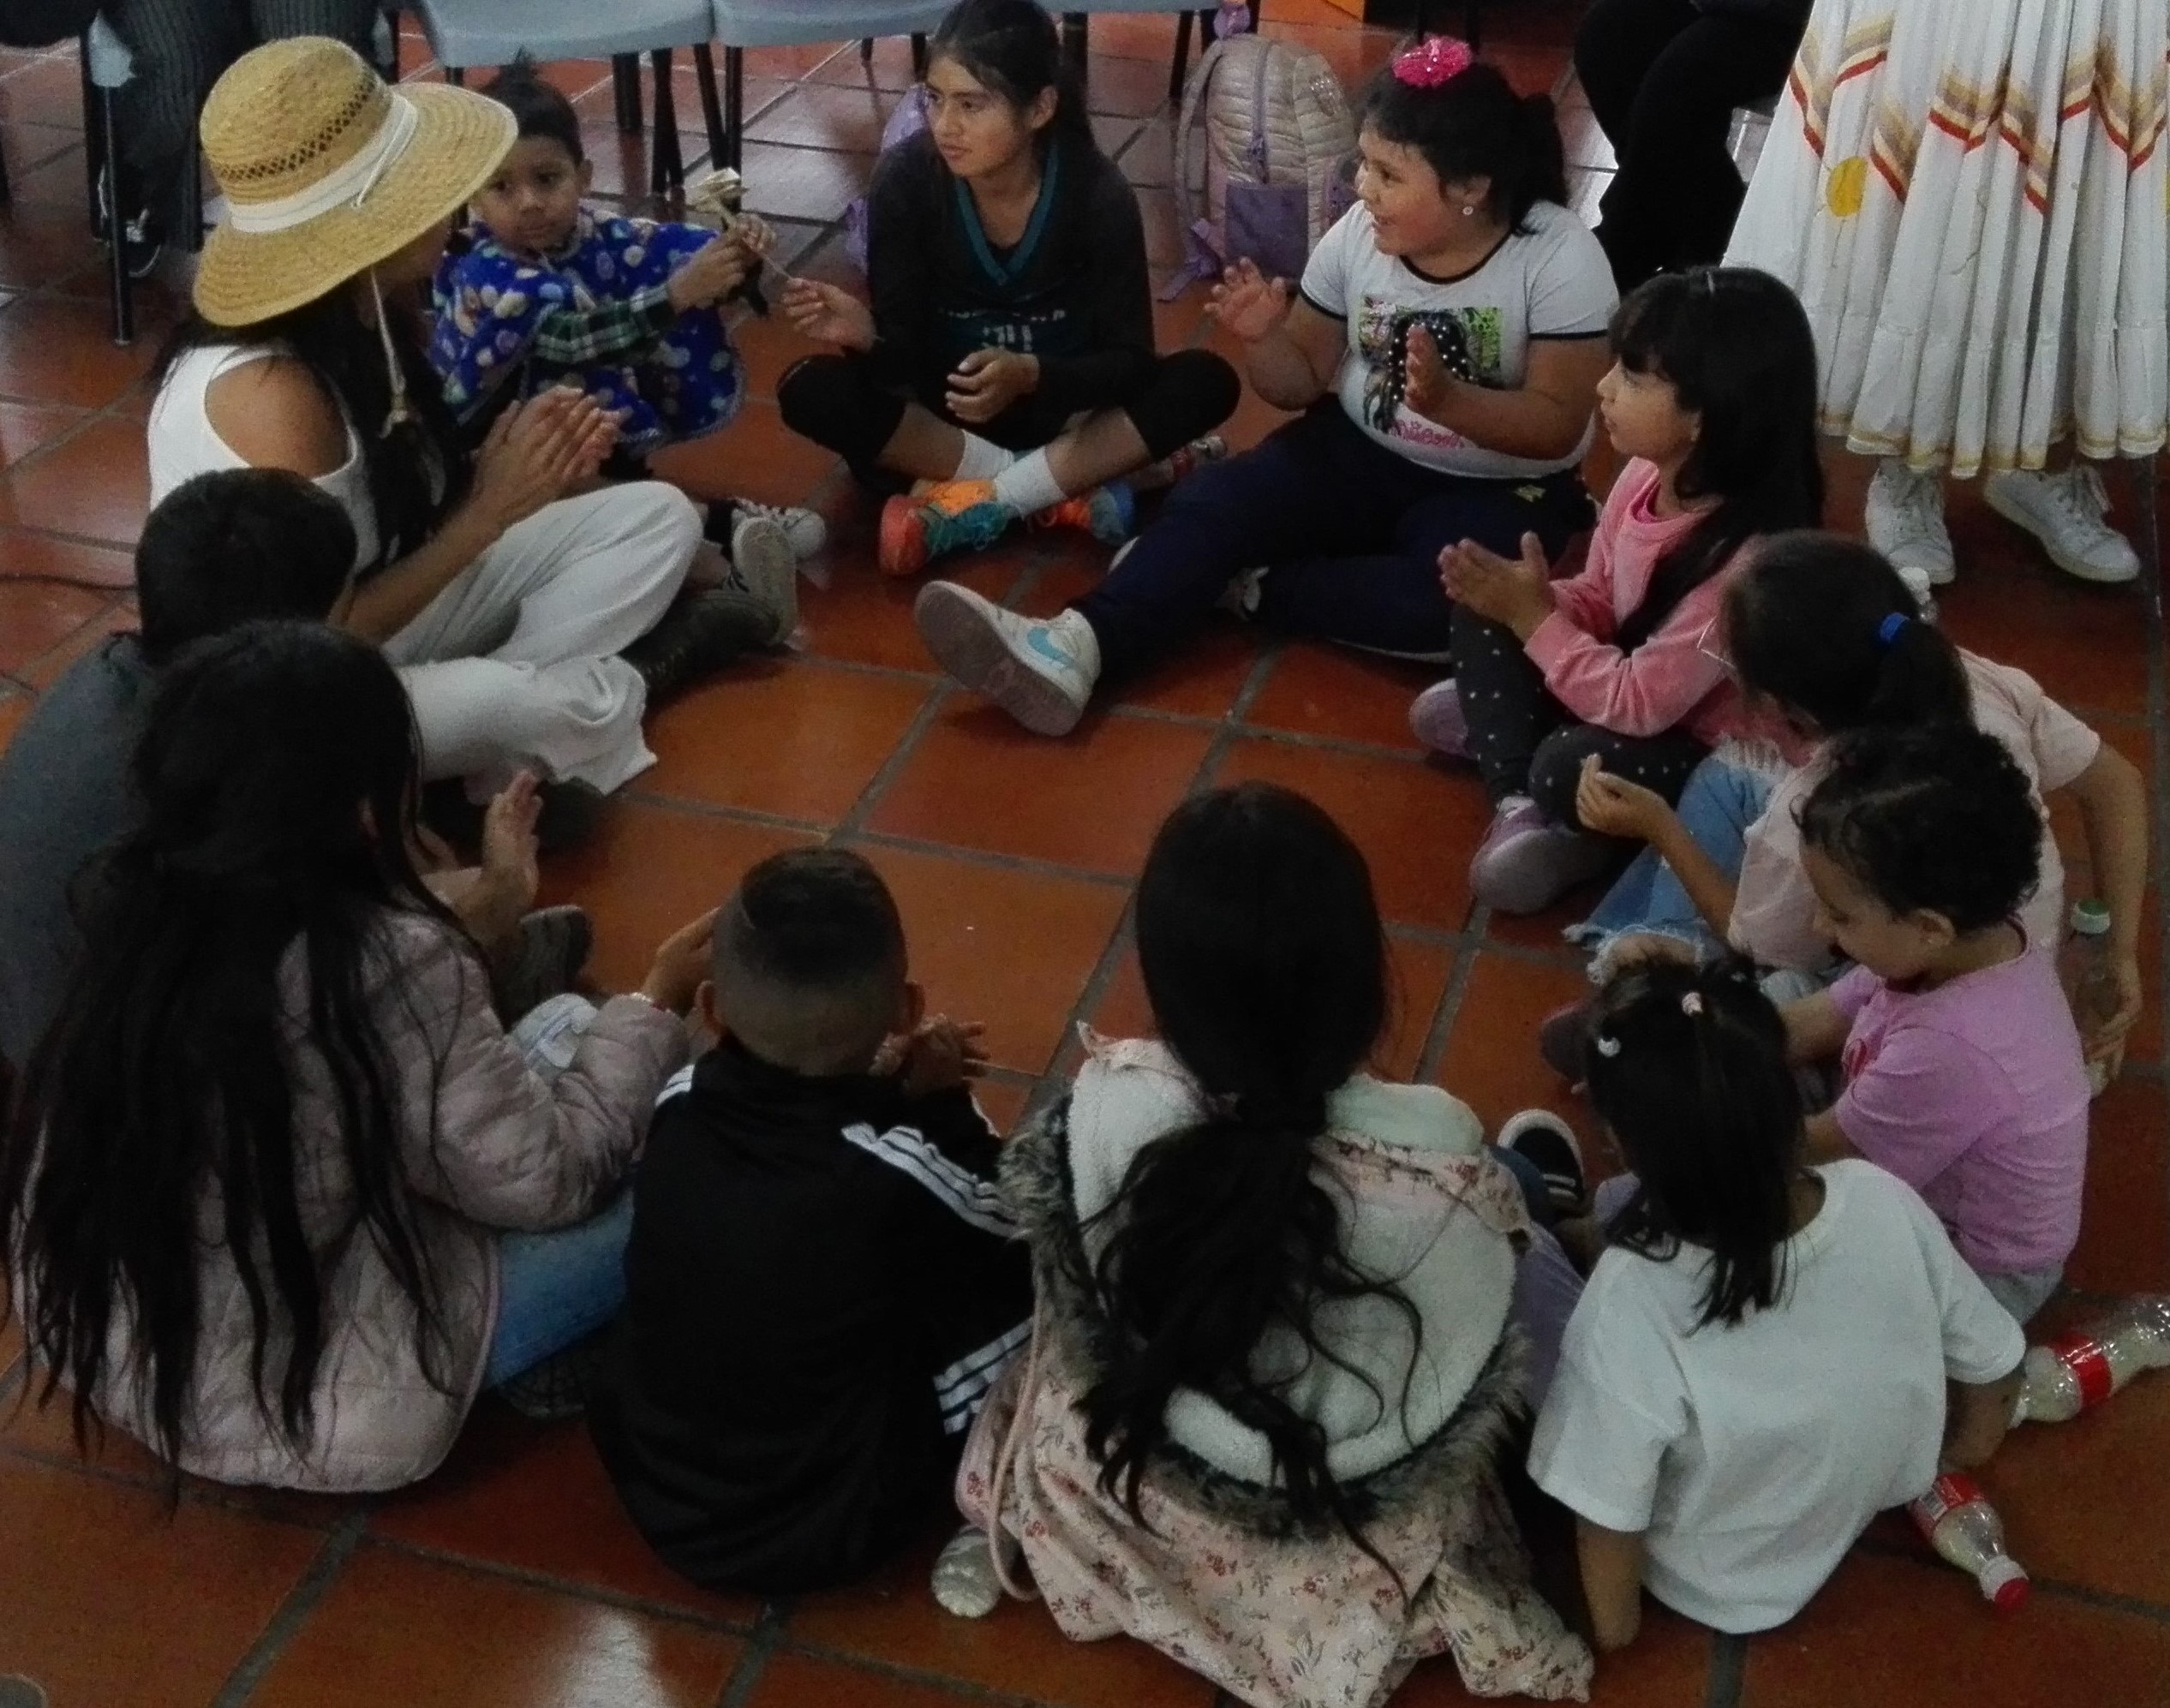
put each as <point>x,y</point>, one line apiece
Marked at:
<point>1275,168</point>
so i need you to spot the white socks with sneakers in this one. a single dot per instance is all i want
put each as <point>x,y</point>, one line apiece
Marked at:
<point>982,459</point>
<point>1028,484</point>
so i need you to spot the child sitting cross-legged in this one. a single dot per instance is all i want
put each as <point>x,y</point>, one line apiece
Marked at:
<point>821,1284</point>
<point>544,290</point>
<point>1759,1363</point>
<point>1963,1073</point>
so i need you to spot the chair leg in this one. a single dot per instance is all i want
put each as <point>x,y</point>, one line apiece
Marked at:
<point>2145,472</point>
<point>919,55</point>
<point>122,287</point>
<point>734,107</point>
<point>626,92</point>
<point>1183,21</point>
<point>669,172</point>
<point>711,109</point>
<point>392,31</point>
<point>866,51</point>
<point>456,75</point>
<point>93,144</point>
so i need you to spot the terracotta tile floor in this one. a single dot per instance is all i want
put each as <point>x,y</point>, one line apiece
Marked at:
<point>511,1580</point>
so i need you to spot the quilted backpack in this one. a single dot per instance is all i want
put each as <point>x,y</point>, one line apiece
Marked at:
<point>906,122</point>
<point>1278,142</point>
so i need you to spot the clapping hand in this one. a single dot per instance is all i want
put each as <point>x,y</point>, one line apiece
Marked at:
<point>936,1055</point>
<point>1514,591</point>
<point>1248,304</point>
<point>1426,386</point>
<point>540,450</point>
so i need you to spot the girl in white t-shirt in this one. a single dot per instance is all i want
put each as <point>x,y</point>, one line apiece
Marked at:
<point>1444,347</point>
<point>1821,633</point>
<point>1759,1363</point>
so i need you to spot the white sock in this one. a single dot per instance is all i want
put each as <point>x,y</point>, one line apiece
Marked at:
<point>982,459</point>
<point>1028,486</point>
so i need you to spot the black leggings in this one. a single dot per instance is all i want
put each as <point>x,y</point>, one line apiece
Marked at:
<point>1524,741</point>
<point>839,402</point>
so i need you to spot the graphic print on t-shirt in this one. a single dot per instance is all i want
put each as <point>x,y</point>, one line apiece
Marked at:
<point>1469,346</point>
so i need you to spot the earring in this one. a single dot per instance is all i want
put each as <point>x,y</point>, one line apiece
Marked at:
<point>1468,211</point>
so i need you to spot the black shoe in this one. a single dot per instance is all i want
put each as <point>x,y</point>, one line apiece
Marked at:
<point>543,961</point>
<point>571,811</point>
<point>1541,1138</point>
<point>699,634</point>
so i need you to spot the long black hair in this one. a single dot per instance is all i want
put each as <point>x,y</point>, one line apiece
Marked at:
<point>1011,47</point>
<point>1825,629</point>
<point>1939,819</point>
<point>418,469</point>
<point>155,1119</point>
<point>1686,1066</point>
<point>1266,968</point>
<point>1736,347</point>
<point>1475,126</point>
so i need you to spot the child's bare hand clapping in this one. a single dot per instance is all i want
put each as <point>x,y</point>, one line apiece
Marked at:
<point>1247,302</point>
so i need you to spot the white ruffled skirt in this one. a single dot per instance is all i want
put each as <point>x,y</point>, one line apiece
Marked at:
<point>1971,200</point>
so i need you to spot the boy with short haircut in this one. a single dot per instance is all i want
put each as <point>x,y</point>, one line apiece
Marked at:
<point>821,1282</point>
<point>545,289</point>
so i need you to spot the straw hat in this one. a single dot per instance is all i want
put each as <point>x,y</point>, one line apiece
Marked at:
<point>326,172</point>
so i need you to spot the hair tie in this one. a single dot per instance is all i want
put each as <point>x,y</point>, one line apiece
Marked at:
<point>1887,631</point>
<point>1433,61</point>
<point>1606,1047</point>
<point>1691,1004</point>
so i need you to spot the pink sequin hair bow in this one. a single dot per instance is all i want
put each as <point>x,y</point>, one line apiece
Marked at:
<point>1433,61</point>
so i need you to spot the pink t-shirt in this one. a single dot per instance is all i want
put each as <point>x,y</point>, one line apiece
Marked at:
<point>1974,1094</point>
<point>1675,677</point>
<point>1774,910</point>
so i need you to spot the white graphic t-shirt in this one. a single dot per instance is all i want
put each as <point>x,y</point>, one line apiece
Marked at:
<point>1552,282</point>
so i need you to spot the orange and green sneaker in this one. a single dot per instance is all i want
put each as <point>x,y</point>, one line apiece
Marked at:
<point>950,515</point>
<point>1105,512</point>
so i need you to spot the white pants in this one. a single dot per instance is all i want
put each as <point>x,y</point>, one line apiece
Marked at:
<point>514,663</point>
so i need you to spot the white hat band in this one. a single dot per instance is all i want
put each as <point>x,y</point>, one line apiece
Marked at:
<point>348,183</point>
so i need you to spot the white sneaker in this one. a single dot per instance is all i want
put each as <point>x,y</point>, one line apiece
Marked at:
<point>764,568</point>
<point>803,528</point>
<point>1041,673</point>
<point>1905,521</point>
<point>2068,513</point>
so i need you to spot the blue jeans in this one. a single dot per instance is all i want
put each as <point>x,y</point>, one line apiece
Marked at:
<point>557,1287</point>
<point>1351,531</point>
<point>1721,801</point>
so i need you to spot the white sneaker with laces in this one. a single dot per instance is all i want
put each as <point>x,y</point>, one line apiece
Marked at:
<point>1041,673</point>
<point>2068,512</point>
<point>764,568</point>
<point>1905,521</point>
<point>803,528</point>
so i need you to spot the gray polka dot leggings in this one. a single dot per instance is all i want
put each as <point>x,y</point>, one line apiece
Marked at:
<point>1524,741</point>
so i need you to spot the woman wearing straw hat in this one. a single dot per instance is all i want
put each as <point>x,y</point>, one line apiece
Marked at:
<point>531,618</point>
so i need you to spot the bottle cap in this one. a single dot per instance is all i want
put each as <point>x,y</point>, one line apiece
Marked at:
<point>2003,1583</point>
<point>2090,918</point>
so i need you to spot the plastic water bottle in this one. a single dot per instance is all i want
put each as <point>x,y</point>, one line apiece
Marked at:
<point>2077,1371</point>
<point>2091,981</point>
<point>1962,1526</point>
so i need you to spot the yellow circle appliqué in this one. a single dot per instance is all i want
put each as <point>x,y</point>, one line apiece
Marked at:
<point>1849,182</point>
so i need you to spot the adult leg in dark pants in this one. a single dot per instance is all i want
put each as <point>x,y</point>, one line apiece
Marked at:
<point>1530,752</point>
<point>1663,77</point>
<point>1393,602</point>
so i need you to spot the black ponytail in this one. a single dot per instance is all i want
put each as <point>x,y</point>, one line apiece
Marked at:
<point>1266,968</point>
<point>1686,1066</point>
<point>1736,349</point>
<point>1825,628</point>
<point>1013,48</point>
<point>1475,126</point>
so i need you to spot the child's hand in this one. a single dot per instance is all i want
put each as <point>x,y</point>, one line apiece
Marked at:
<point>1247,302</point>
<point>681,964</point>
<point>987,381</point>
<point>754,234</point>
<point>1517,592</point>
<point>509,845</point>
<point>2106,1044</point>
<point>1613,806</point>
<point>827,314</point>
<point>709,274</point>
<point>1426,386</point>
<point>942,1053</point>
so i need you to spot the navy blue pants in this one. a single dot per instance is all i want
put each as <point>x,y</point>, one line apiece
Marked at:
<point>1351,532</point>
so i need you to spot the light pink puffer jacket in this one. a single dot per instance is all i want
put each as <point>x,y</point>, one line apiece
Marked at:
<point>489,1145</point>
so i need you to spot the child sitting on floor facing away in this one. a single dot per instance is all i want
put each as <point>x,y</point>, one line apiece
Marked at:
<point>1759,1363</point>
<point>822,1285</point>
<point>1712,396</point>
<point>1963,1066</point>
<point>1275,1354</point>
<point>544,290</point>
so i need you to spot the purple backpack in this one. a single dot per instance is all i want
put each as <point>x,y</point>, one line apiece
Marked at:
<point>906,122</point>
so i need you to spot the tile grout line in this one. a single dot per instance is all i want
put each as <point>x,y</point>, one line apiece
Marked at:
<point>768,1632</point>
<point>293,1611</point>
